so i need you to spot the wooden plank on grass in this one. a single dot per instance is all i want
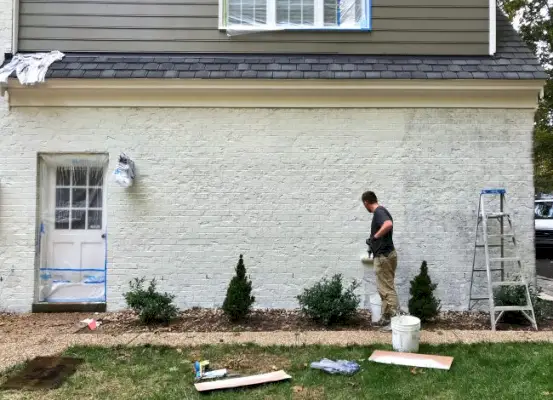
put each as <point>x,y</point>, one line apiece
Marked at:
<point>243,381</point>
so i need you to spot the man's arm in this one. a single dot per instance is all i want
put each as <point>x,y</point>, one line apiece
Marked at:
<point>384,229</point>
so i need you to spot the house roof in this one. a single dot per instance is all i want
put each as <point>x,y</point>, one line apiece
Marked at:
<point>513,60</point>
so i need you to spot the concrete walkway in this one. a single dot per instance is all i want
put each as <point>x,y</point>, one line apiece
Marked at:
<point>16,349</point>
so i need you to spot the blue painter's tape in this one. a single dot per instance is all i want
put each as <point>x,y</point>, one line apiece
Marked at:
<point>45,277</point>
<point>83,300</point>
<point>74,269</point>
<point>94,282</point>
<point>493,191</point>
<point>61,281</point>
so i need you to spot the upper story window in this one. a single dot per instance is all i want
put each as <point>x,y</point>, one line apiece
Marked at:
<point>260,15</point>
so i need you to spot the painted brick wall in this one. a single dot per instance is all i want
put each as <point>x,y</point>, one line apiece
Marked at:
<point>281,186</point>
<point>6,7</point>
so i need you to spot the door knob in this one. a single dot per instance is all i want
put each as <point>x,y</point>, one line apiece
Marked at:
<point>103,235</point>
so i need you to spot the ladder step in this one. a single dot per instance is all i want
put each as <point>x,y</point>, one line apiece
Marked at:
<point>504,259</point>
<point>505,235</point>
<point>513,308</point>
<point>485,270</point>
<point>497,215</point>
<point>490,245</point>
<point>509,283</point>
<point>479,298</point>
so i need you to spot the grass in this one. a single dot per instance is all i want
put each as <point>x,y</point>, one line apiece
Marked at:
<point>482,371</point>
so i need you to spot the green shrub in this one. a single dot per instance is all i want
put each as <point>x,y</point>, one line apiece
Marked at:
<point>238,301</point>
<point>423,304</point>
<point>326,302</point>
<point>152,307</point>
<point>516,296</point>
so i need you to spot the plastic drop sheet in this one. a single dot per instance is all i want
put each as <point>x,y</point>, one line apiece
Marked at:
<point>30,68</point>
<point>251,16</point>
<point>72,241</point>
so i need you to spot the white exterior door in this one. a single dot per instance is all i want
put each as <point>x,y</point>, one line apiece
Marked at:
<point>75,242</point>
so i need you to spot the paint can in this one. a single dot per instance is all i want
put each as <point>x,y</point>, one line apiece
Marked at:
<point>376,307</point>
<point>406,332</point>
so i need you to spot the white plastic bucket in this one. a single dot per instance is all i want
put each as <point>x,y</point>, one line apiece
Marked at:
<point>406,333</point>
<point>376,307</point>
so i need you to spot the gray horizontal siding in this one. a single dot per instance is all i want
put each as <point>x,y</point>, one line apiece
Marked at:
<point>429,27</point>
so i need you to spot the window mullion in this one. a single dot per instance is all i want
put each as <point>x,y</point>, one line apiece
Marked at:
<point>271,13</point>
<point>319,13</point>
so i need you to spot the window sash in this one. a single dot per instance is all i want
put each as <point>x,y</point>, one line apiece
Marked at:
<point>318,18</point>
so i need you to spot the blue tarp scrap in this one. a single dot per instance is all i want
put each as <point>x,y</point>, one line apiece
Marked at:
<point>343,367</point>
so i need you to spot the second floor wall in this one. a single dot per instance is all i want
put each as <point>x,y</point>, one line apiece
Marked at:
<point>397,27</point>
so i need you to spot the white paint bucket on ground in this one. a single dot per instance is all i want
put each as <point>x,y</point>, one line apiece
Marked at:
<point>406,333</point>
<point>376,307</point>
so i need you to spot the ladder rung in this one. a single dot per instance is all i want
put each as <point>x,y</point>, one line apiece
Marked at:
<point>497,215</point>
<point>504,259</point>
<point>491,269</point>
<point>513,308</point>
<point>505,235</point>
<point>479,298</point>
<point>490,245</point>
<point>509,283</point>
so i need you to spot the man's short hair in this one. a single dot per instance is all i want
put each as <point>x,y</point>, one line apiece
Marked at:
<point>369,197</point>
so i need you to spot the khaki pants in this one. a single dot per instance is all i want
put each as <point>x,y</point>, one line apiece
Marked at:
<point>385,269</point>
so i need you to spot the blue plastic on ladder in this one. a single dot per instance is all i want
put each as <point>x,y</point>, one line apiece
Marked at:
<point>493,191</point>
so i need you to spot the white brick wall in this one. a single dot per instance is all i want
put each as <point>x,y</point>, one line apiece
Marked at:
<point>6,9</point>
<point>281,186</point>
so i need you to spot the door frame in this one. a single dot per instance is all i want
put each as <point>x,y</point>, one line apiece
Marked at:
<point>44,202</point>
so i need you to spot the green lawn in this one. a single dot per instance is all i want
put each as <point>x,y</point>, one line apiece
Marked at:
<point>484,371</point>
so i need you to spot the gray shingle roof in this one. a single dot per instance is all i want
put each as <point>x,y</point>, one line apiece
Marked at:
<point>513,60</point>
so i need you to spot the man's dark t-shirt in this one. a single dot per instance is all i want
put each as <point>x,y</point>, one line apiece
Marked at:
<point>383,245</point>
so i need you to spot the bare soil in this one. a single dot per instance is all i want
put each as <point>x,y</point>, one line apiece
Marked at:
<point>210,320</point>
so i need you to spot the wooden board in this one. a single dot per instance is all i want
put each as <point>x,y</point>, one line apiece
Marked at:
<point>411,359</point>
<point>243,381</point>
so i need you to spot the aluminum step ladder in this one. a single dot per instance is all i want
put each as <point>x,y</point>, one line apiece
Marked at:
<point>495,265</point>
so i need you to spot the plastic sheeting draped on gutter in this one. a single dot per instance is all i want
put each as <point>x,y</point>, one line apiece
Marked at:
<point>30,68</point>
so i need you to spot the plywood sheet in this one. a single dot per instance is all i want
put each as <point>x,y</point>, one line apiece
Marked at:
<point>412,359</point>
<point>243,381</point>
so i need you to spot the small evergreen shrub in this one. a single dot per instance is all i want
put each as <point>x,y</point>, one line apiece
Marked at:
<point>516,296</point>
<point>151,306</point>
<point>423,304</point>
<point>238,301</point>
<point>328,303</point>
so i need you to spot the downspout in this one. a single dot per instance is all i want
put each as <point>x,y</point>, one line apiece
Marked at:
<point>492,27</point>
<point>15,26</point>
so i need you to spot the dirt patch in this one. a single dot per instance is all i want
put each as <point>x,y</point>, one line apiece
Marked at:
<point>210,320</point>
<point>307,393</point>
<point>251,362</point>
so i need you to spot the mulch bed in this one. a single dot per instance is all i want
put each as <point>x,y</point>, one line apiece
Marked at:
<point>209,320</point>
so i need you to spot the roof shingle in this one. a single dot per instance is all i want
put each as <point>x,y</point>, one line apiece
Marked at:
<point>513,60</point>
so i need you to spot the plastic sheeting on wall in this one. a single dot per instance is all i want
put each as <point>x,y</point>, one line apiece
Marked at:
<point>30,68</point>
<point>254,16</point>
<point>72,246</point>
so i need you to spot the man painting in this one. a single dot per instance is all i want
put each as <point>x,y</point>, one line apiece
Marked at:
<point>385,257</point>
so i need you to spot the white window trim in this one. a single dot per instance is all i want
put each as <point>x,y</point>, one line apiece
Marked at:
<point>272,26</point>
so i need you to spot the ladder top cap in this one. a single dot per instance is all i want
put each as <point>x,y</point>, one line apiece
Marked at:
<point>493,191</point>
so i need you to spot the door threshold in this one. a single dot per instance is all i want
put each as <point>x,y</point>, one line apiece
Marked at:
<point>44,307</point>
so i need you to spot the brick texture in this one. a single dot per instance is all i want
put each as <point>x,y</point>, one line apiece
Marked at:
<point>5,27</point>
<point>281,186</point>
